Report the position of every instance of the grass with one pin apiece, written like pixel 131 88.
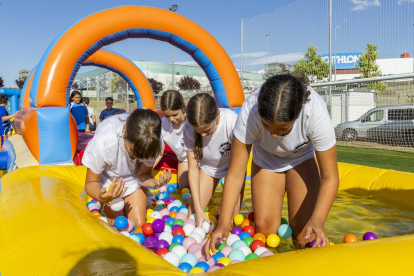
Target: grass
pixel 377 158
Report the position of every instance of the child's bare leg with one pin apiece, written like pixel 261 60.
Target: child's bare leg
pixel 239 201
pixel 136 206
pixel 182 175
pixel 112 215
pixel 208 185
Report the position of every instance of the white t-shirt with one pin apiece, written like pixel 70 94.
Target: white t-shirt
pixel 91 113
pixel 174 138
pixel 106 155
pixel 216 147
pixel 313 130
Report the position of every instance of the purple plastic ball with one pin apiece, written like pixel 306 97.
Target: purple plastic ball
pixel 150 242
pixel 176 226
pixel 313 243
pixel 158 225
pixel 164 200
pixel 369 236
pixel 236 231
pixel 164 218
pixel 219 264
pixel 157 236
pixel 161 244
pixel 170 199
pixel 217 217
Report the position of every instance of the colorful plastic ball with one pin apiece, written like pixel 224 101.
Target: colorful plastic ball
pixel 237 254
pixel 197 237
pixel 219 264
pixel 218 256
pixel 121 223
pixel 266 253
pixel 203 265
pixel 172 258
pixel 238 219
pixel 150 220
pixel 244 235
pixel 245 223
pixel 185 197
pixel 249 229
pixel 183 207
pixel 237 244
pixel 161 244
pixel 185 190
pixel 213 268
pixel 178 222
pixel 192 248
pixel 248 241
pixel 251 216
pixel 173 214
pixel 170 220
pixel 179 231
pixel 174 209
pixel 176 226
pixel 256 244
pixel 350 238
pixel 189 258
pixel 221 246
pixel 185 267
pixel 161 252
pixel 273 240
pixel 284 231
pixel 198 253
pixel 246 250
pixel 150 242
pixel 158 225
pixel 167 228
pixel 199 231
pixel 283 221
pixel 185 212
pixel 188 229
pixel 225 261
pixel 157 235
pixel 117 204
pixel 369 236
pixel 188 241
pixel 226 250
pixel 181 216
pixel 236 231
pixel 104 219
pixel 167 237
pixel 125 233
pixel 156 215
pixel 231 239
pixel 135 238
pixel 177 202
pixel 162 189
pixel 141 237
pixel 165 195
pixel 172 246
pixel 313 244
pixel 170 199
pixel 147 229
pixel 178 239
pixel 165 218
pixel 170 188
pixel 207 227
pixel 180 251
pixel 234 262
pixel 251 256
pixel 260 237
pixel 260 250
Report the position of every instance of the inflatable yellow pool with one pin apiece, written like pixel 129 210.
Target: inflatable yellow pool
pixel 46 229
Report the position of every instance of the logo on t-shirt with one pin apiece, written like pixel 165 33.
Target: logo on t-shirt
pixel 301 146
pixel 225 148
pixel 182 142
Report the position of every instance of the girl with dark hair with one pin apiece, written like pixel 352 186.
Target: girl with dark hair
pixel 208 137
pixel 123 150
pixel 288 124
pixel 173 106
pixel 79 111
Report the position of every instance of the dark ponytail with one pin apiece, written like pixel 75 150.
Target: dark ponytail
pixel 202 109
pixel 172 100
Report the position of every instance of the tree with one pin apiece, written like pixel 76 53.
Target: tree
pixel 1 82
pixel 188 83
pixel 75 86
pixel 312 66
pixel 368 66
pixel 20 83
pixel 156 86
pixel 118 82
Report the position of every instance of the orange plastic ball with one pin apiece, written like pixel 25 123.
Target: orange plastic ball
pixel 138 230
pixel 173 214
pixel 350 238
pixel 245 223
pixel 260 237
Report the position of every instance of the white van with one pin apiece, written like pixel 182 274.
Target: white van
pixel 386 123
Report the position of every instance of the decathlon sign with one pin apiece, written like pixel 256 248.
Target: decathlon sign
pixel 343 60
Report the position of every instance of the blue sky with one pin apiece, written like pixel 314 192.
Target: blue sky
pixel 28 27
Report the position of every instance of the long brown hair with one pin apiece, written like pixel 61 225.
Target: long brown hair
pixel 172 100
pixel 202 109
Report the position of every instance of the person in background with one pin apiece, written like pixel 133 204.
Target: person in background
pixel 109 111
pixel 79 111
pixel 5 117
pixel 91 112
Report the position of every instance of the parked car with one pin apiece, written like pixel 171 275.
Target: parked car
pixel 386 123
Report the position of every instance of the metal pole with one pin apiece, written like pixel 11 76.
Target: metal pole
pixel 241 54
pixel 172 73
pixel 267 53
pixel 127 92
pixel 336 58
pixel 330 57
pixel 413 51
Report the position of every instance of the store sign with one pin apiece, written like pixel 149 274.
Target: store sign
pixel 343 60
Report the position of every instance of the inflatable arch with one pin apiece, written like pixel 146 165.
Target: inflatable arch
pixel 51 80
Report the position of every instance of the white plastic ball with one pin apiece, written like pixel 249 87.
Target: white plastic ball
pixel 104 219
pixel 193 217
pixel 117 204
pixel 166 236
pixel 135 238
pixel 167 229
pixel 185 211
pixel 197 237
pixel 171 205
pixel 179 250
pixel 260 250
pixel 231 239
pixel 156 215
pixel 207 227
pixel 159 202
pixel 172 258
pixel 199 231
pixel 245 250
pixel 188 229
pixel 126 233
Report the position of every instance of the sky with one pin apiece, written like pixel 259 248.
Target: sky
pixel 28 27
pixel 274 31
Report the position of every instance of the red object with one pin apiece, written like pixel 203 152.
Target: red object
pixel 179 231
pixel 152 250
pixel 83 140
pixel 161 252
pixel 256 244
pixel 167 203
pixel 405 55
pixel 251 216
pixel 147 229
pixel 249 229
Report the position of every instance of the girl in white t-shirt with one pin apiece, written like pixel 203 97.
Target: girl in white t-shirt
pixel 123 150
pixel 288 124
pixel 208 138
pixel 173 106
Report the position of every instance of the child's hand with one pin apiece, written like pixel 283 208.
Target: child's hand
pixel 221 234
pixel 200 218
pixel 163 179
pixel 115 190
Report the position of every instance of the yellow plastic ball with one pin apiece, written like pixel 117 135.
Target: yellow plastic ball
pixel 213 212
pixel 116 184
pixel 185 190
pixel 331 243
pixel 273 240
pixel 213 219
pixel 96 213
pixel 225 261
pixel 150 220
pixel 196 270
pixel 207 214
pixel 238 219
pixel 149 212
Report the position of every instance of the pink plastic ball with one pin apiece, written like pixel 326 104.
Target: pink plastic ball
pixel 210 262
pixel 266 253
pixel 193 248
pixel 198 253
pixel 189 221
pixel 130 226
pixel 213 268
pixel 164 212
pixel 188 241
pixel 162 189
pixel 181 216
pixel 226 250
pixel 234 262
pixel 203 242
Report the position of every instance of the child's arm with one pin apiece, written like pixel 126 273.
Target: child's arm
pixel 94 190
pixel 159 156
pixel 8 117
pixel 87 120
pixel 146 179
pixel 94 121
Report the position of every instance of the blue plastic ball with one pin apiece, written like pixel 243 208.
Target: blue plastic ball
pixel 178 239
pixel 186 267
pixel 189 258
pixel 203 265
pixel 165 195
pixel 237 255
pixel 177 203
pixel 121 223
pixel 157 196
pixel 133 230
pixel 218 256
pixel 170 221
pixel 170 188
pixel 284 231
pixel 185 197
pixel 244 235
pixel 182 207
pixel 175 208
pixel 141 237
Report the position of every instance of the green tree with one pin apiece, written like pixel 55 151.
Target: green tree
pixel 1 82
pixel 117 82
pixel 188 83
pixel 156 86
pixel 20 83
pixel 312 66
pixel 368 66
